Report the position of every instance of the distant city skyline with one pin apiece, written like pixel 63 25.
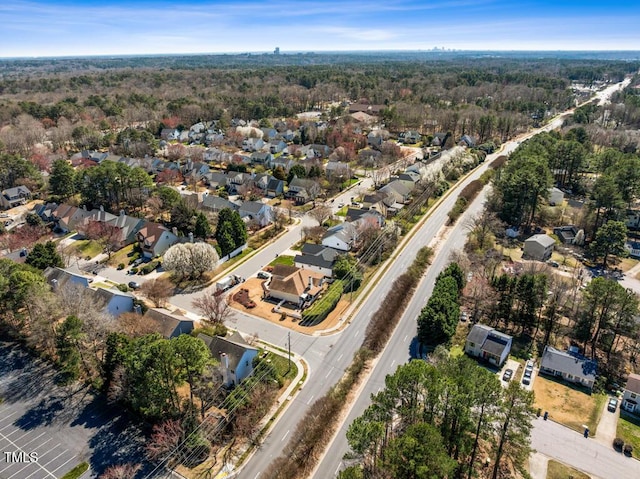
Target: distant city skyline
pixel 42 28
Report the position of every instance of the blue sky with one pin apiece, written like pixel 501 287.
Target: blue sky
pixel 82 27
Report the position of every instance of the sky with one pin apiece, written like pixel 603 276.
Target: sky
pixel 129 27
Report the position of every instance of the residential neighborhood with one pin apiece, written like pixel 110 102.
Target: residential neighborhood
pixel 220 273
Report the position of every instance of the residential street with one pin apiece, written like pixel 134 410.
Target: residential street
pixel 588 455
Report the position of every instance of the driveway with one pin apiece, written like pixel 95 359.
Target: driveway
pixel 606 431
pixel 509 364
pixel 572 448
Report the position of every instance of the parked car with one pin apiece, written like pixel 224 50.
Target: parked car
pixel 134 284
pixel 264 275
pixel 529 365
pixel 508 374
pixel 613 404
pixel 526 378
pixel 463 316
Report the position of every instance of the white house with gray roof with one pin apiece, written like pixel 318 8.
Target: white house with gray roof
pixel 341 237
pixel 489 344
pixel 569 366
pixel 235 356
pixel 538 247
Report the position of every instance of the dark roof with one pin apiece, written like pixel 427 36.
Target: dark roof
pixel 317 255
pixel 568 363
pixel 167 324
pixel 633 383
pixel 61 276
pixel 233 346
pixel 252 207
pixel 478 333
pixel 495 343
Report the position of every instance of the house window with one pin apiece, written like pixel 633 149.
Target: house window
pixel 633 395
pixel 246 363
pixel 569 376
pixel 473 345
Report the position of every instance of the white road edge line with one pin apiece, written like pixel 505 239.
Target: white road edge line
pixel 285 435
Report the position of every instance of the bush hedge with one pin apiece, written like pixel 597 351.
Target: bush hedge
pixel 149 267
pixel 323 306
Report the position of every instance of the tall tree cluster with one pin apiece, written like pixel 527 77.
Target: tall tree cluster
pixel 231 232
pixel 438 319
pixel 441 419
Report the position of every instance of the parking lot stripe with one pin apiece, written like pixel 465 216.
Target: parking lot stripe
pixel 2 436
pixel 18 472
pixel 38 447
pixel 49 462
pixel 65 463
pixel 7 417
pixel 37 437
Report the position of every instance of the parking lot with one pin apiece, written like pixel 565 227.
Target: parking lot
pixel 46 430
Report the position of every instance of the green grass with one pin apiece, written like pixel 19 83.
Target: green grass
pixel 283 259
pixel 281 363
pixel 456 351
pixel 629 430
pixel 557 470
pixel 123 255
pixel 88 248
pixel 342 211
pixel 77 471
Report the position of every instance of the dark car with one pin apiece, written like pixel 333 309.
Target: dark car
pixel 134 285
pixel 612 405
pixel 526 378
pixel 264 275
pixel 508 374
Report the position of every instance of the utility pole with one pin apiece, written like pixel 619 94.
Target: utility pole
pixel 289 348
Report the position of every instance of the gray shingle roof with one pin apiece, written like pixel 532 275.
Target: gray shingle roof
pixel 478 333
pixel 567 363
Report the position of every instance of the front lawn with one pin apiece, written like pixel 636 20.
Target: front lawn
pixel 568 405
pixel 557 470
pixel 124 255
pixel 629 430
pixel 283 259
pixel 87 248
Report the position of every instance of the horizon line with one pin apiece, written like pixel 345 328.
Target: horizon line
pixel 312 52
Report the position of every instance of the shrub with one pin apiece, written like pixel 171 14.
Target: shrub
pixel 242 297
pixel 323 306
pixel 628 449
pixel 134 270
pixel 123 287
pixel 149 267
pixel 77 471
pixel 121 266
pixel 618 444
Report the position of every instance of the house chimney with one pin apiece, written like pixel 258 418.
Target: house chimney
pixel 224 360
pixel 190 237
pixel 102 208
pixel 174 230
pixel 54 284
pixel 122 213
pixel 310 282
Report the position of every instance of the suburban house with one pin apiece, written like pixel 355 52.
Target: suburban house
pixel 303 190
pixel 154 239
pixel 409 137
pixel 67 217
pixel 15 196
pixel 569 365
pixel 45 211
pixel 116 302
pixel 252 144
pixel 366 108
pixel 277 146
pixel 235 356
pixel 467 141
pixel 57 277
pixel 633 219
pixel 341 237
pixel 216 203
pixel 167 324
pixel 538 247
pixel 257 211
pixel 556 196
pixel 318 258
pixel 216 179
pixel 337 169
pixel 261 158
pixel 399 189
pixel 357 215
pixel 275 187
pixel 566 233
pixel 294 285
pixel 487 343
pixel 631 396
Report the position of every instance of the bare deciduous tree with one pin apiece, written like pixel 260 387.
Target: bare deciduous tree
pixel 214 307
pixel 134 325
pixel 320 213
pixel 157 291
pixel 121 471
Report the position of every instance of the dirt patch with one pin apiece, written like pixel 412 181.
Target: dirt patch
pixel 566 405
pixel 264 310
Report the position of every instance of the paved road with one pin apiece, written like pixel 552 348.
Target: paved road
pixel 396 351
pixel 570 447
